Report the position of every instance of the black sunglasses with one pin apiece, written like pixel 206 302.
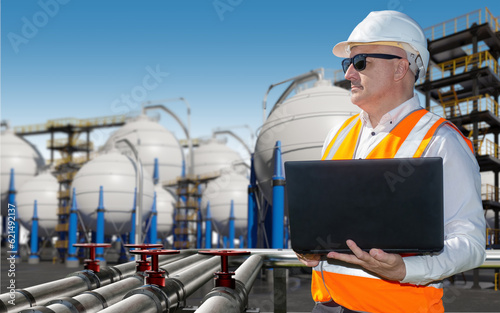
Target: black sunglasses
pixel 359 60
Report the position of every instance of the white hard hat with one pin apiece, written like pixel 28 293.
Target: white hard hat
pixel 390 28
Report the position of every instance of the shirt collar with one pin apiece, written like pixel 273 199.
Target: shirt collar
pixel 394 116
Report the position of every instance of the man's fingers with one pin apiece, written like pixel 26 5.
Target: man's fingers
pixel 382 256
pixel 360 254
pixel 343 257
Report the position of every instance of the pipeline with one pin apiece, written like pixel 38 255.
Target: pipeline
pixel 72 285
pixel 223 299
pixel 157 299
pixel 101 298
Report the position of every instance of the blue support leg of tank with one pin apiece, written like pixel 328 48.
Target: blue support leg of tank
pixel 278 183
pixel 208 228
pixel 252 209
pixel 71 259
pixel 156 172
pixel 34 258
pixel 100 226
pixel 123 252
pixel 198 230
pixel 153 228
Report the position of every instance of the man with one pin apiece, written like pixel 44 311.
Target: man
pixel 385 54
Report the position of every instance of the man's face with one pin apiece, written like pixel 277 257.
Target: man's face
pixel 372 85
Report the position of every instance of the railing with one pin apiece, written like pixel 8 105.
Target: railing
pixel 63 142
pixel 465 106
pixel 68 176
pixel 73 160
pixel 30 128
pixel 63 194
pixel 462 65
pixel 489 192
pixel 461 23
pixel 486 147
pixel 62 122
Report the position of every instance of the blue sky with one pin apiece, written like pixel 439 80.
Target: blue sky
pixel 82 59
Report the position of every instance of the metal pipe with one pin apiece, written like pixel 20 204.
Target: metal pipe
pixel 296 80
pixel 222 299
pixel 74 284
pixel 131 238
pixel 248 271
pixel 228 132
pixel 167 299
pixel 101 298
pixel 93 301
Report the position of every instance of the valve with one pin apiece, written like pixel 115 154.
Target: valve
pixel 155 276
pixel 143 264
pixel 92 264
pixel 224 277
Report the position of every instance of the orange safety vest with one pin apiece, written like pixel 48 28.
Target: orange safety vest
pixel 350 285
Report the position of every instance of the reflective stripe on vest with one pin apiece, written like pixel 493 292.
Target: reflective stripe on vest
pixel 350 285
pixel 409 138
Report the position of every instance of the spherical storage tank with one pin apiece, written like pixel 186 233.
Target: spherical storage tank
pixel 20 155
pixel 301 123
pixel 214 155
pixel 220 191
pixel 42 188
pixel 151 141
pixel 165 205
pixel 115 172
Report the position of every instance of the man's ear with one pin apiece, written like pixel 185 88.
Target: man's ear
pixel 402 67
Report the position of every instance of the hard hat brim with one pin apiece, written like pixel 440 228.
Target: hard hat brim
pixel 343 49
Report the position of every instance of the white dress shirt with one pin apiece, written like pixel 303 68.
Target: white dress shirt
pixel 464 223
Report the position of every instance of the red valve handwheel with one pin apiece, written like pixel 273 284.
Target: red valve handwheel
pixel 91 263
pixel 224 277
pixel 143 264
pixel 155 276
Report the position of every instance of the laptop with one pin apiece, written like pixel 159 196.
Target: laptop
pixel 391 204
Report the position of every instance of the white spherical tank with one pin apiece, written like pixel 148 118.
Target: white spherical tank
pixel 301 123
pixel 20 155
pixel 214 155
pixel 151 141
pixel 115 172
pixel 42 188
pixel 165 206
pixel 220 191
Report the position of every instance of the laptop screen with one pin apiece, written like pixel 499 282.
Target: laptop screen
pixel 391 204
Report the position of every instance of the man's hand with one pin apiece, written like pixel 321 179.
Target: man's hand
pixel 310 260
pixel 388 265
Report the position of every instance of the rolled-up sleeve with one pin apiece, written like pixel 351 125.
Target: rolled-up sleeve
pixel 464 223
